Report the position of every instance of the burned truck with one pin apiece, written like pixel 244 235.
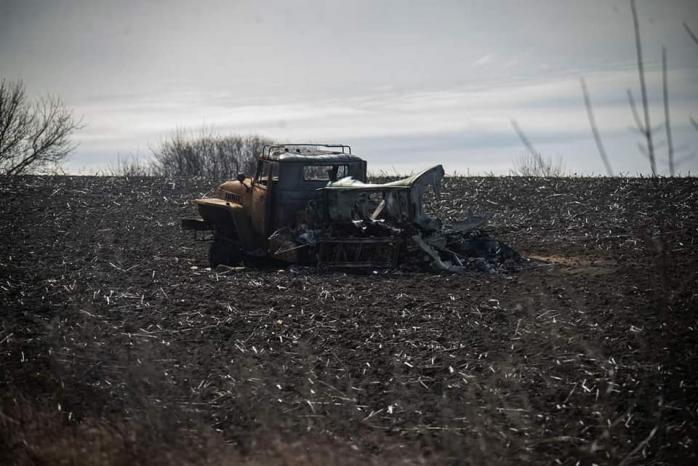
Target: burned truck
pixel 311 204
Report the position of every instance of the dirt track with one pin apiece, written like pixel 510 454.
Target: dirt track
pixel 117 345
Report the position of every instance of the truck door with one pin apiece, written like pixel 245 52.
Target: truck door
pixel 262 196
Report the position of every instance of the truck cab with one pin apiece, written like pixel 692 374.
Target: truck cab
pixel 290 176
pixel 244 212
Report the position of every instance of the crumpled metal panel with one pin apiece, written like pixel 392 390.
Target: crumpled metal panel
pixel 397 202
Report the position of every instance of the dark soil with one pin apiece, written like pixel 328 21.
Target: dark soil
pixel 119 346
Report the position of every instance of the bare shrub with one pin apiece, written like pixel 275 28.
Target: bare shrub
pixel 206 154
pixel 536 165
pixel 33 136
pixel 130 166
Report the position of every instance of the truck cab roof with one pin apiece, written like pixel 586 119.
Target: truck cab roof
pixel 321 154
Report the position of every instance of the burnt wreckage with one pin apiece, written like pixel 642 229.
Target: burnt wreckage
pixel 311 204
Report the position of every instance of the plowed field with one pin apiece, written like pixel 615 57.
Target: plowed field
pixel 119 346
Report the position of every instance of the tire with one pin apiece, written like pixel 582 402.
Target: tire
pixel 224 252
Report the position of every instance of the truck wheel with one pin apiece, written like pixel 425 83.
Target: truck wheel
pixel 223 252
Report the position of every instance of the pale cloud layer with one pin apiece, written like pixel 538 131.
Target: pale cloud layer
pixel 406 83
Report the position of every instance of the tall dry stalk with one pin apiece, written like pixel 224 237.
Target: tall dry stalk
pixel 667 119
pixel 524 139
pixel 594 128
pixel 646 128
pixel 690 33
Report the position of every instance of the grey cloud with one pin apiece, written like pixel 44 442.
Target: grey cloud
pixel 362 70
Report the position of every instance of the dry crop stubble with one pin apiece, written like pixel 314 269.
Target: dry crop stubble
pixel 118 343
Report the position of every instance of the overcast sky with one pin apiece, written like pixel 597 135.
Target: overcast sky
pixel 406 83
